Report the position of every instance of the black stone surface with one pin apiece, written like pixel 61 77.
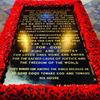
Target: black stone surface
pixel 44 21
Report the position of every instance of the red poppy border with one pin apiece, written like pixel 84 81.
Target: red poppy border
pixel 40 92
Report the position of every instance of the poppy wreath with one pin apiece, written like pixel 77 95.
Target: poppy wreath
pixel 48 92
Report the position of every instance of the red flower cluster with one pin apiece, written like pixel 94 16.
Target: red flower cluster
pixel 31 92
pixel 90 39
pixel 24 92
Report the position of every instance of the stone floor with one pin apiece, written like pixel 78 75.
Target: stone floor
pixel 92 7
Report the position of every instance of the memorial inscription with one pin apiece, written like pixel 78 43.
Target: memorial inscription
pixel 48 49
